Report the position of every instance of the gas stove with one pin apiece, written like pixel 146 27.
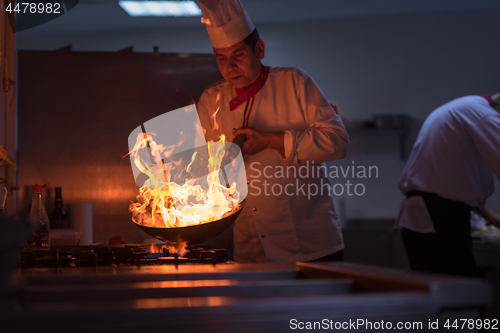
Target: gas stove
pixel 132 289
pixel 117 255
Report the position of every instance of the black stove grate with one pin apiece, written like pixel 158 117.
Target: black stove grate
pixel 88 256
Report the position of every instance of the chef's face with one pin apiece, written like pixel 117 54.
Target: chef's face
pixel 239 64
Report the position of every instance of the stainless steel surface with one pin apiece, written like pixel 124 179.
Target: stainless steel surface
pixel 234 297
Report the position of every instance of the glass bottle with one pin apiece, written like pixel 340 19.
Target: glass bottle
pixel 39 219
pixel 58 218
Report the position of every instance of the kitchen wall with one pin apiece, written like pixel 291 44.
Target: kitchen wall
pixel 407 64
pixel 7 112
pixel 74 129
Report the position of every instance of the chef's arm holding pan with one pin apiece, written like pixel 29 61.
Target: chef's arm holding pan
pixel 257 141
pixel 324 139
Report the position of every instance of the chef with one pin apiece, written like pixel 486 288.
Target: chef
pixel 290 130
pixel 449 172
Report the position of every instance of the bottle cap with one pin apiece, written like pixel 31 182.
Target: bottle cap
pixel 39 188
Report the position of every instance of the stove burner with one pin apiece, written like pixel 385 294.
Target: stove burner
pixel 91 256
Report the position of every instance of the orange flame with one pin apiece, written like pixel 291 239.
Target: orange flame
pixel 214 116
pixel 179 248
pixel 163 202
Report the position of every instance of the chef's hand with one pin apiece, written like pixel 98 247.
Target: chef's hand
pixel 258 141
pixel 496 220
pixel 490 215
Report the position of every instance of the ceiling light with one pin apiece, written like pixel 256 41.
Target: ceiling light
pixel 160 8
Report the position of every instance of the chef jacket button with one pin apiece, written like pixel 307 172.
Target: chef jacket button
pixel 248 182
pixel 263 236
pixel 254 209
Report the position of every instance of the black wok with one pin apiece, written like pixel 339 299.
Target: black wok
pixel 193 234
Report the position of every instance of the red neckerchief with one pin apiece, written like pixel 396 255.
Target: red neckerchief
pixel 244 94
pixel 490 101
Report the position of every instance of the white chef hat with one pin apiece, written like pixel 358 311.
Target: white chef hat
pixel 227 21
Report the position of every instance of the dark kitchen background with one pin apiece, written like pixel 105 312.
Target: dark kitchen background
pixel 74 128
pixel 88 78
pixel 74 89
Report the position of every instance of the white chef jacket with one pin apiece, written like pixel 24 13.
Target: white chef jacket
pixel 456 154
pixel 283 228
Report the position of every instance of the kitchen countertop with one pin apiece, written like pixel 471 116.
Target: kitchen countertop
pixel 232 297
